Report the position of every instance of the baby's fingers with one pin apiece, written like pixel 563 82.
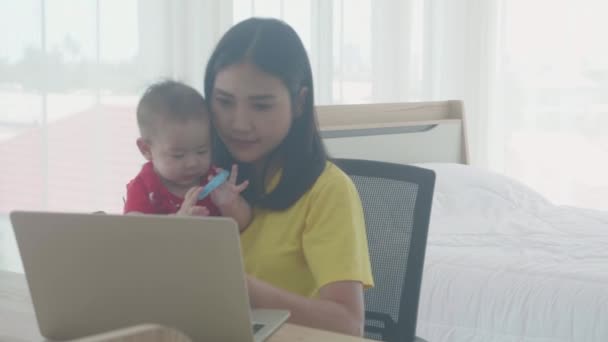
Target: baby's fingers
pixel 241 187
pixel 199 211
pixel 191 197
pixel 234 173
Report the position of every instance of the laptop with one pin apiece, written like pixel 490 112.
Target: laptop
pixel 89 274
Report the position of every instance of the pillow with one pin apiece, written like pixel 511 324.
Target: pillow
pixel 472 200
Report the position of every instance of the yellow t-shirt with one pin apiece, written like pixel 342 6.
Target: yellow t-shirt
pixel 320 239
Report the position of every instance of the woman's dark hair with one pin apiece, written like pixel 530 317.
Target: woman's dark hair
pixel 275 48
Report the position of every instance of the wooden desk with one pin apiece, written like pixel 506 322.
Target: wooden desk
pixel 18 322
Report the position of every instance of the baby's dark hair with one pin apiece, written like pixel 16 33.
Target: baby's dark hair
pixel 171 100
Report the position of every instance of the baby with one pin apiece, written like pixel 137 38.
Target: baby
pixel 174 125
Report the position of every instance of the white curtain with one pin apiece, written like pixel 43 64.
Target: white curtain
pixel 533 75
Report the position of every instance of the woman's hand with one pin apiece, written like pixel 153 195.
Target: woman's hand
pixel 189 207
pixel 227 195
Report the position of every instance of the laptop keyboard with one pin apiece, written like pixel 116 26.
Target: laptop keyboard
pixel 257 327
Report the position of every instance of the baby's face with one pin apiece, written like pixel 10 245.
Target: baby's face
pixel 181 151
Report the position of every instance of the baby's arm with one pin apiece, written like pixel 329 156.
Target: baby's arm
pixel 240 211
pixel 138 200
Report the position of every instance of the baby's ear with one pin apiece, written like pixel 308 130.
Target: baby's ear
pixel 144 148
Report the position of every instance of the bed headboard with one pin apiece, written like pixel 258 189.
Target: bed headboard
pixel 414 132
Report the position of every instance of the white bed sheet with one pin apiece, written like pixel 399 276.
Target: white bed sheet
pixel 504 264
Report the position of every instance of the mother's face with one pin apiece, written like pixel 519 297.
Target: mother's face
pixel 252 111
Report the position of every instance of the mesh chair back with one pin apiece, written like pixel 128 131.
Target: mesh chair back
pixel 397 205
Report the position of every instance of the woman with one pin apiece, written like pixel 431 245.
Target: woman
pixel 306 249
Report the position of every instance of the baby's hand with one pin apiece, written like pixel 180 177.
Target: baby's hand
pixel 189 207
pixel 227 194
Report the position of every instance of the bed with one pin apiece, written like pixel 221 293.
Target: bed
pixel 502 263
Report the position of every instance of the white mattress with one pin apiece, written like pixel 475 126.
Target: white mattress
pixel 504 264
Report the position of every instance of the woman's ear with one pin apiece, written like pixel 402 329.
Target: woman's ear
pixel 144 148
pixel 300 101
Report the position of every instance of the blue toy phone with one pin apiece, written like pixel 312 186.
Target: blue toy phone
pixel 216 181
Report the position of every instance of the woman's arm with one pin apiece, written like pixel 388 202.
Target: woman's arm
pixel 339 308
